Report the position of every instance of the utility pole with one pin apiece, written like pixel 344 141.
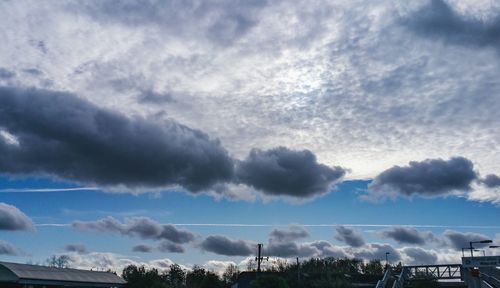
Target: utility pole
pixel 259 257
pixel 298 270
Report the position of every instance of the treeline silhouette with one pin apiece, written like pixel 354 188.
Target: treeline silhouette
pixel 312 273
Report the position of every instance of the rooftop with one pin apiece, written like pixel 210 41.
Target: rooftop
pixel 36 274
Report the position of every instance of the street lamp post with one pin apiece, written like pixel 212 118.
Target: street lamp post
pixel 463 249
pixel 472 248
pixel 494 246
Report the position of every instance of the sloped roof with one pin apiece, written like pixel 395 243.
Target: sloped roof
pixel 36 272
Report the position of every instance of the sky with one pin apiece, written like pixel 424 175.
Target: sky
pixel 160 132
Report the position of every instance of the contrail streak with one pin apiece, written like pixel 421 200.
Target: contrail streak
pixel 305 225
pixel 46 190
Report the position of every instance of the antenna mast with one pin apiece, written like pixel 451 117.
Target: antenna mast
pixel 259 257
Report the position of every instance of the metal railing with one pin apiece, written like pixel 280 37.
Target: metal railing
pixel 408 273
pixel 402 278
pixel 450 271
pixel 492 281
pixel 383 282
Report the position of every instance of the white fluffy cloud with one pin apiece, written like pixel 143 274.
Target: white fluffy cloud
pixel 114 262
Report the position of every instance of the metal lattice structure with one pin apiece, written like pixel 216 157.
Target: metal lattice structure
pixel 449 271
pixel 409 273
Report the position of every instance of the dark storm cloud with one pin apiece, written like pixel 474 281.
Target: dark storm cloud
pixel 437 19
pixel 458 240
pixel 169 246
pixel 12 218
pixel 8 249
pixel 349 235
pixel 143 248
pixel 141 227
pixel 78 248
pixel 290 233
pixel 491 181
pixel 407 235
pixel 281 171
pixel 223 245
pixel 221 22
pixel 419 256
pixel 375 251
pixel 99 146
pixel 6 74
pixel 430 177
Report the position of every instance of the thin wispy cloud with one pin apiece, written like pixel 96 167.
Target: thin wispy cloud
pixel 47 190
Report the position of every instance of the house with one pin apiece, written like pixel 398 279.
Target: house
pixel 15 275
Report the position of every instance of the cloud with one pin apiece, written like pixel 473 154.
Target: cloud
pixel 439 20
pixel 326 249
pixel 33 71
pixel 290 249
pixel 290 233
pixel 220 23
pixel 78 248
pixel 282 243
pixel 115 262
pixel 419 256
pixel 149 96
pixel 281 171
pixel 143 248
pixel 431 177
pixel 141 227
pixel 102 147
pixel 349 235
pixel 223 245
pixel 139 154
pixel 218 266
pixel 6 74
pixel 458 240
pixel 491 181
pixel 407 235
pixel 8 249
pixel 11 218
pixel 376 251
pixel 301 77
pixel 169 246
